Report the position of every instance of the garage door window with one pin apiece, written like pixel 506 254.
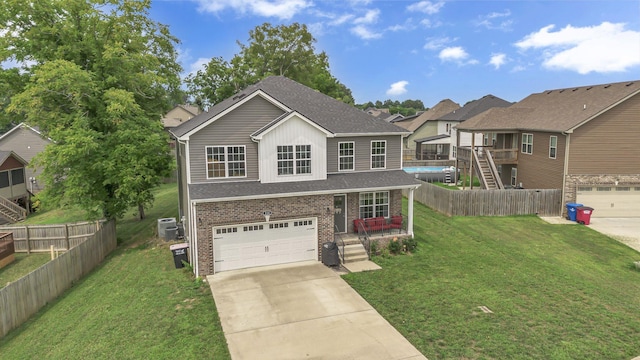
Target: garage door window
pixel 253 228
pixel 279 225
pixel 226 231
pixel 303 223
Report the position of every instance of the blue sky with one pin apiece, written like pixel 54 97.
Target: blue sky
pixel 431 50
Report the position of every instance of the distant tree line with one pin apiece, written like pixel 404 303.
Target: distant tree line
pixel 405 108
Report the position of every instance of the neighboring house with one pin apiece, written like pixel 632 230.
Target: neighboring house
pixel 179 114
pixel 424 125
pixel 437 147
pixel 26 142
pixel 270 174
pixel 13 188
pixel 582 140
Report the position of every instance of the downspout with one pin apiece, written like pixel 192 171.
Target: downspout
pixel 194 237
pixel 566 169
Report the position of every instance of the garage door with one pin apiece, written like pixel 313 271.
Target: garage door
pixel 610 201
pixel 260 244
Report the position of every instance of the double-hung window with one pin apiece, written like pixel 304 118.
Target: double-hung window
pixel 378 154
pixel 346 156
pixel 374 204
pixel 226 161
pixel 294 160
pixel 527 144
pixel 553 146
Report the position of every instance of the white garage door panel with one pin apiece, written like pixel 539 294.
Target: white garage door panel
pixel 261 244
pixel 610 201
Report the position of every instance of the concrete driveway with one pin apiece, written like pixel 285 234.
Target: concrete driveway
pixel 301 311
pixel 625 230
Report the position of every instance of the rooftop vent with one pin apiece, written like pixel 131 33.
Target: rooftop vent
pixel 239 96
pixel 606 86
pixel 590 87
pixel 575 89
pixel 629 84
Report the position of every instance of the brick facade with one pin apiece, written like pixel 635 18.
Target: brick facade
pixel 573 181
pixel 213 214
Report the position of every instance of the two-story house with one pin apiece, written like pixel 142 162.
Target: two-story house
pixel 26 142
pixel 270 174
pixel 582 140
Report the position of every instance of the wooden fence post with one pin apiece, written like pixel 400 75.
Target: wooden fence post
pixel 26 230
pixel 66 236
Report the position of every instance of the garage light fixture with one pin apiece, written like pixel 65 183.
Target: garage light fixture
pixel 267 215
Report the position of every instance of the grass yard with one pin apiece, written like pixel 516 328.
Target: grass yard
pixel 21 266
pixel 556 291
pixel 135 305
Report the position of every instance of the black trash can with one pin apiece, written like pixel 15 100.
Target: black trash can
pixel 330 255
pixel 179 254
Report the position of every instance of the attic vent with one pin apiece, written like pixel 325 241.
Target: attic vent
pixel 590 87
pixel 549 92
pixel 240 96
pixel 629 84
pixel 561 90
pixel 606 86
pixel 575 89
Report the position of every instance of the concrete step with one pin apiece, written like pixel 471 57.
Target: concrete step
pixel 352 241
pixel 352 259
pixel 354 249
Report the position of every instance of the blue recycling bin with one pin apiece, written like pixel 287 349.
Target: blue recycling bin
pixel 572 211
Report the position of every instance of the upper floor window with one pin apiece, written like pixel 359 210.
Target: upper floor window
pixel 346 156
pixel 527 144
pixel 226 161
pixel 489 139
pixel 378 154
pixel 292 162
pixel 553 146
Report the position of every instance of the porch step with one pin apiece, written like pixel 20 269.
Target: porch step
pixel 355 252
pixel 352 241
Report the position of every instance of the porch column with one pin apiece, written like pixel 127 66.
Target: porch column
pixel 410 215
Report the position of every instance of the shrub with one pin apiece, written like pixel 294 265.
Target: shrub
pixel 395 246
pixel 410 244
pixel 374 248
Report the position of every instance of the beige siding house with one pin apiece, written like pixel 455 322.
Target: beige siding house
pixel 273 173
pixel 26 142
pixel 582 140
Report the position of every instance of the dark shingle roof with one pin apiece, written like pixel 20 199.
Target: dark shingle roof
pixel 371 180
pixel 475 107
pixel 554 110
pixel 442 108
pixel 329 113
pixel 431 138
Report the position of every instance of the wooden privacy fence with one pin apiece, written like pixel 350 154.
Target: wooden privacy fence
pixel 543 202
pixel 24 297
pixel 40 238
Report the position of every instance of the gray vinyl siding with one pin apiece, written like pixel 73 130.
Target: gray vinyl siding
pixel 538 171
pixel 363 152
pixel 608 144
pixel 27 144
pixel 232 129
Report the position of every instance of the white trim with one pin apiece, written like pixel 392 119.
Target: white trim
pixel 353 156
pixel 410 213
pixel 194 235
pixel 188 160
pixel 555 155
pixel 522 143
pixel 271 126
pixel 371 134
pixel 305 193
pixel 226 162
pixel 233 107
pixel 371 155
pixel 24 125
pixel 373 205
pixel 294 160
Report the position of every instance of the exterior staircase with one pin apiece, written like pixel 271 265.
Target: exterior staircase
pixel 490 182
pixel 354 251
pixel 11 211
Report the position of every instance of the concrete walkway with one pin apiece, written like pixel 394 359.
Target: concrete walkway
pixel 301 311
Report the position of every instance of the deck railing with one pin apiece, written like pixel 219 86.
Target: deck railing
pixel 505 156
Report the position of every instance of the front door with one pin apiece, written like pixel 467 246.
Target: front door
pixel 340 213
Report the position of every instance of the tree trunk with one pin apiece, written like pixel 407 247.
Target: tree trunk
pixel 141 215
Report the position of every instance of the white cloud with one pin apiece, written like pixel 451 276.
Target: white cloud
pixel 371 17
pixel 197 65
pixel 339 20
pixel 498 60
pixel 282 9
pixel 398 88
pixel 518 68
pixel 603 48
pixel 426 7
pixel 437 43
pixel 456 54
pixel 489 21
pixel 364 33
pixel 427 23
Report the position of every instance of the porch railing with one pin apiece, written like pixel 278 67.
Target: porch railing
pixel 505 156
pixel 337 238
pixel 363 236
pixel 494 169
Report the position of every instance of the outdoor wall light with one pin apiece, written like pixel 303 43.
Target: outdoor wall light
pixel 267 215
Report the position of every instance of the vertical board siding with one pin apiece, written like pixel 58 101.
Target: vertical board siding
pixel 234 128
pixel 24 297
pixel 363 152
pixel 545 202
pixel 41 237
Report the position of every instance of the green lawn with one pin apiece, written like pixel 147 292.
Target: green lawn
pixel 21 266
pixel 135 305
pixel 556 291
